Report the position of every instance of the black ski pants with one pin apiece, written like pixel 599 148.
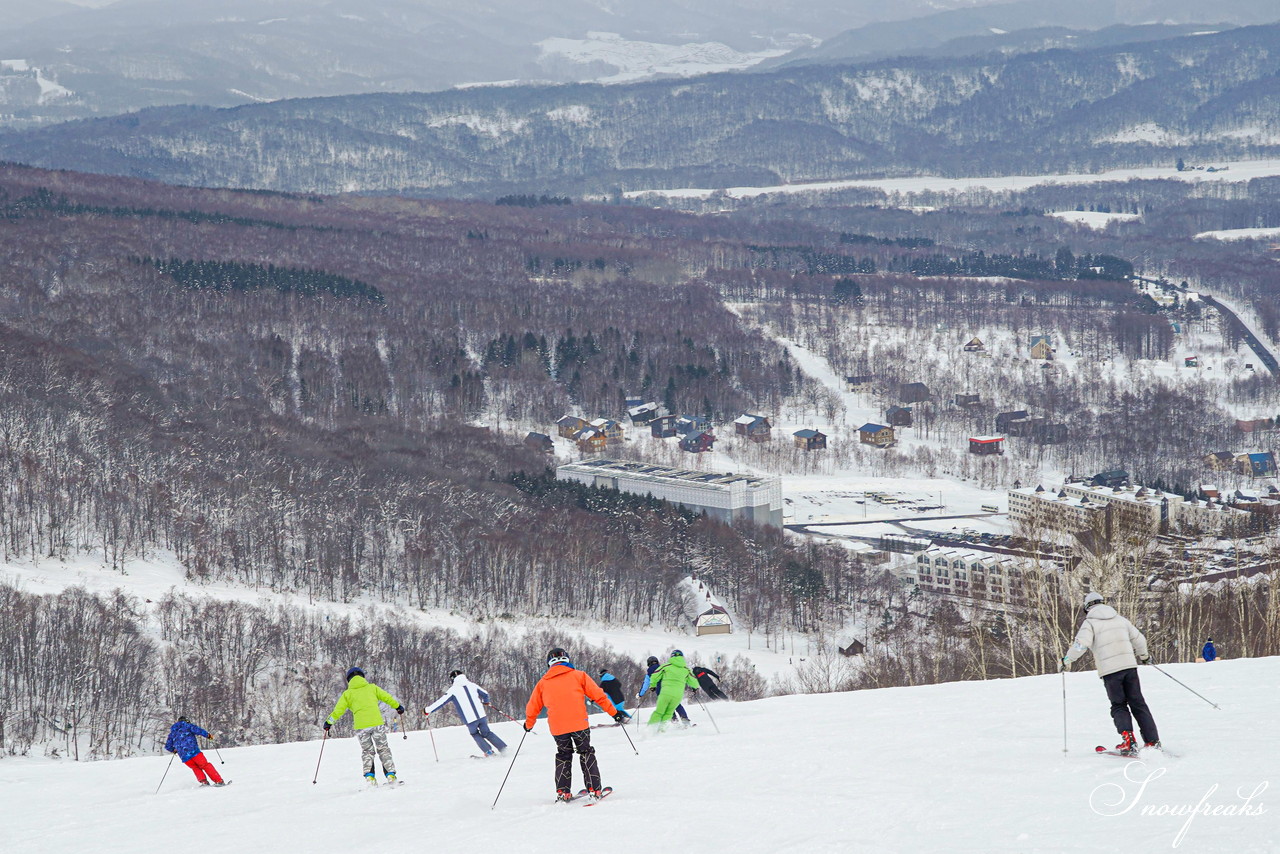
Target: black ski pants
pixel 711 689
pixel 566 746
pixel 1125 693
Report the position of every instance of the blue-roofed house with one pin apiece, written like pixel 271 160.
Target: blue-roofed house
pixel 687 424
pixel 810 440
pixel 1041 347
pixel 879 435
pixel 1262 464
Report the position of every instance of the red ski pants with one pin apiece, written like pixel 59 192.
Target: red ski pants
pixel 201 765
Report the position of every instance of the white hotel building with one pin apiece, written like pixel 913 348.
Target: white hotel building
pixel 725 496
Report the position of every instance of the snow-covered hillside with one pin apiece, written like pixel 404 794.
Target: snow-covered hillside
pixel 974 766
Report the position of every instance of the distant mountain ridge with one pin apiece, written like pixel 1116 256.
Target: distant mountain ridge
pixel 1206 96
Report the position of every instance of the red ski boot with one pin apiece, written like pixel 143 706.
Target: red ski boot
pixel 1128 746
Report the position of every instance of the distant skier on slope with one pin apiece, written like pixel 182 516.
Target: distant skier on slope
pixel 563 691
pixel 182 741
pixel 1117 648
pixel 613 690
pixel 1210 652
pixel 471 703
pixel 669 681
pixel 652 668
pixel 362 698
pixel 705 675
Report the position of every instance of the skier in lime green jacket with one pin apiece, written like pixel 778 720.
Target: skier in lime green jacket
pixel 670 679
pixel 362 698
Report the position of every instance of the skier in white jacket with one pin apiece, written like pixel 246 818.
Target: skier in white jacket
pixel 1117 648
pixel 470 701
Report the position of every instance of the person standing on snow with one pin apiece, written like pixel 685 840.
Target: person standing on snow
pixel 1117 648
pixel 182 741
pixel 471 702
pixel 648 682
pixel 613 690
pixel 563 691
pixel 362 698
pixel 669 681
pixel 1210 652
pixel 704 676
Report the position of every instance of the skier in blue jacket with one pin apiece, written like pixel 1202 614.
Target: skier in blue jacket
pixel 182 741
pixel 1210 652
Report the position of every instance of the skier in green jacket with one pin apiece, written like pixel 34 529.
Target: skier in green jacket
pixel 362 698
pixel 670 680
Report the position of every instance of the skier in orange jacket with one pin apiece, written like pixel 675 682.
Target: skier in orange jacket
pixel 563 692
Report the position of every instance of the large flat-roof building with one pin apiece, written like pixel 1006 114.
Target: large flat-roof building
pixel 1078 507
pixel 725 496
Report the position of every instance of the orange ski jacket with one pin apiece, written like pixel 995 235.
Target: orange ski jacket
pixel 564 692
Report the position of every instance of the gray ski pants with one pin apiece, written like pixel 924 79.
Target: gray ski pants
pixel 375 739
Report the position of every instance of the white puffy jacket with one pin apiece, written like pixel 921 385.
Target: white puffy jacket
pixel 1115 642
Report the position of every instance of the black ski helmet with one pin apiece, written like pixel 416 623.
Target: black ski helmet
pixel 355 671
pixel 653 661
pixel 182 719
pixel 557 656
pixel 454 674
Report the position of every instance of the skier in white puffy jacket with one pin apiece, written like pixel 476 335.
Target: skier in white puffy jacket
pixel 1117 648
pixel 471 702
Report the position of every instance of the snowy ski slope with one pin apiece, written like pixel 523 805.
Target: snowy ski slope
pixel 965 767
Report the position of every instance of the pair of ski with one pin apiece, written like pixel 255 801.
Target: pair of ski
pixel 1129 754
pixel 582 793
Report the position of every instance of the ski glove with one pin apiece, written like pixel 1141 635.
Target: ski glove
pixel 527 728
pixel 327 725
pixel 1146 659
pixel 621 717
pixel 400 710
pixel 1066 662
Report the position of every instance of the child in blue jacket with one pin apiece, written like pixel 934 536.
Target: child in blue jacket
pixel 182 741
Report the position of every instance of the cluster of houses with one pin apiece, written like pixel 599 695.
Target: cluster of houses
pixel 695 432
pixel 1251 464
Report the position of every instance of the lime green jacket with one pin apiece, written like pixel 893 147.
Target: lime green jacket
pixel 672 677
pixel 362 697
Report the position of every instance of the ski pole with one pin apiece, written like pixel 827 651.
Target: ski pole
pixel 322 741
pixel 1063 671
pixel 166 771
pixel 394 730
pixel 1201 696
pixel 623 727
pixel 504 714
pixel 221 761
pixel 509 767
pixel 704 708
pixel 431 731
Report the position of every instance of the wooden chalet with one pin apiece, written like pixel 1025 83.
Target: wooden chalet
pixel 861 382
pixel 540 442
pixel 964 400
pixel 757 428
pixel 985 446
pixel 879 435
pixel 975 345
pixel 696 443
pixel 663 427
pixel 810 440
pixel 854 647
pixel 1041 347
pixel 590 440
pixel 643 413
pixel 686 424
pixel 570 426
pixel 898 416
pixel 611 429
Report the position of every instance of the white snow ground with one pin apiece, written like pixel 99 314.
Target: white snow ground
pixel 963 767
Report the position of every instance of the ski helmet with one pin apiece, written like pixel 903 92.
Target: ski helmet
pixel 676 652
pixel 355 671
pixel 182 719
pixel 454 674
pixel 1092 598
pixel 604 670
pixel 557 656
pixel 653 661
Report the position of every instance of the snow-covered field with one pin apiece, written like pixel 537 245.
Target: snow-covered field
pixel 1093 219
pixel 1240 234
pixel 635 60
pixel 1233 172
pixel 972 767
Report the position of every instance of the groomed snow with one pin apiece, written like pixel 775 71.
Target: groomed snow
pixel 1093 219
pixel 1233 172
pixel 973 767
pixel 1239 234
